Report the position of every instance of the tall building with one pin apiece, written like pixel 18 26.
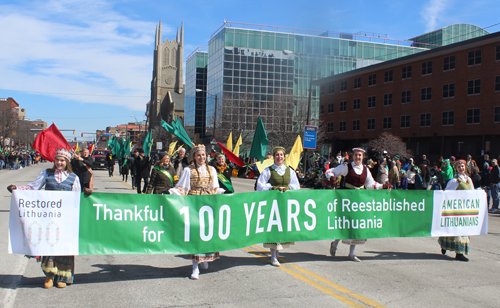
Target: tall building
pixel 196 93
pixel 167 85
pixel 448 35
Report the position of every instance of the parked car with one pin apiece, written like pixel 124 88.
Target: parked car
pixel 99 157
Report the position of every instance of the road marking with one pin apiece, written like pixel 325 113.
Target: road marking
pixel 117 179
pixel 346 296
pixel 12 288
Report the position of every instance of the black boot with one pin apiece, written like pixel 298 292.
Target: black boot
pixel 443 252
pixel 461 257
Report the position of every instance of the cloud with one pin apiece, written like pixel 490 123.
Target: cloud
pixel 77 47
pixel 432 11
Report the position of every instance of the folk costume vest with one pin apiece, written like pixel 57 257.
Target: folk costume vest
pixel 278 180
pixel 200 185
pixel 51 184
pixel 354 180
pixel 463 185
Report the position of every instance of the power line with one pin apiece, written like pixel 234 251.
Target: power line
pixel 75 94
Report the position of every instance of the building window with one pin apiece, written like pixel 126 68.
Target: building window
pixel 405 121
pixel 387 123
pixel 497 83
pixel 343 86
pixel 406 72
pixel 371 124
pixel 426 94
pixel 321 109
pixel 331 107
pixel 425 120
pixel 449 90
pixel 497 114
pixel 322 92
pixel 372 101
pixel 357 83
pixel 449 63
pixel 406 97
pixel 372 79
pixel 388 76
pixel 330 127
pixel 388 99
pixel 473 116
pixel 342 127
pixel 474 57
pixel 356 105
pixel 427 68
pixel 355 125
pixel 474 87
pixel 331 88
pixel 448 118
pixel 343 106
pixel 497 57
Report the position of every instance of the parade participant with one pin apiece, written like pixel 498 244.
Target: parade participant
pixel 357 177
pixel 282 178
pixel 82 166
pixel 458 244
pixel 224 173
pixel 125 168
pixel 198 179
pixel 59 270
pixel 162 176
pixel 181 162
pixel 133 168
pixel 110 160
pixel 142 171
pixel 446 171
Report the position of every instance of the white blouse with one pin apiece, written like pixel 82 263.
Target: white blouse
pixel 263 180
pixel 184 183
pixel 342 170
pixel 60 176
pixel 453 183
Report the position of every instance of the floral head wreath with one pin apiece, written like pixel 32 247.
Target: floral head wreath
pixel 277 149
pixel 198 147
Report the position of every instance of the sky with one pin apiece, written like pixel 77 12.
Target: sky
pixel 87 64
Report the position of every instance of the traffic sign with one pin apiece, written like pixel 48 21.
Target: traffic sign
pixel 310 135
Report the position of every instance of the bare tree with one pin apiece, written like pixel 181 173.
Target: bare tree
pixel 394 145
pixel 9 118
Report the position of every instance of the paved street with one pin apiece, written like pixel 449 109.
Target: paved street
pixel 393 272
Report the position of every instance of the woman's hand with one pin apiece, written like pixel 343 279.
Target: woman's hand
pixel 11 187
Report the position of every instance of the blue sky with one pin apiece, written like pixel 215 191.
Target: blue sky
pixel 87 64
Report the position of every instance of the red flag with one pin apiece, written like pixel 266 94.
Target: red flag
pixel 230 155
pixel 49 141
pixel 91 148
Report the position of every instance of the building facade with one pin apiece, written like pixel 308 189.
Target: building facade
pixel 444 101
pixel 448 35
pixel 196 93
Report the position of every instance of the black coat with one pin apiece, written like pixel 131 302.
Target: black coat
pixel 81 170
pixel 227 174
pixel 142 166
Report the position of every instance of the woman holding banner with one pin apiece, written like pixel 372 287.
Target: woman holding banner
pixel 282 178
pixel 198 179
pixel 458 244
pixel 224 173
pixel 356 176
pixel 59 270
pixel 162 176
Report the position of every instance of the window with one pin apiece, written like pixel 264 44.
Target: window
pixel 372 101
pixel 356 105
pixel 449 90
pixel 426 94
pixel 406 72
pixel 355 125
pixel 497 83
pixel 449 63
pixel 448 118
pixel 321 109
pixel 331 88
pixel 474 87
pixel 425 120
pixel 427 68
pixel 388 76
pixel 387 123
pixel 474 57
pixel 343 86
pixel 342 127
pixel 357 83
pixel 473 116
pixel 497 57
pixel 388 99
pixel 331 107
pixel 330 127
pixel 371 124
pixel 372 79
pixel 322 91
pixel 405 121
pixel 497 114
pixel 343 106
pixel 406 97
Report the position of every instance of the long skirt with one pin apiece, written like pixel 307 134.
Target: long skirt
pixel 204 257
pixel 458 244
pixel 61 268
pixel 278 246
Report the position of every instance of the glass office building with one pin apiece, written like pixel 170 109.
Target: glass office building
pixel 448 35
pixel 195 101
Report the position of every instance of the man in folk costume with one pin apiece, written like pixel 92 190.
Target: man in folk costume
pixel 357 176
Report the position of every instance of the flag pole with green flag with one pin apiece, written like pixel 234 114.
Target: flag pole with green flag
pixel 260 141
pixel 148 143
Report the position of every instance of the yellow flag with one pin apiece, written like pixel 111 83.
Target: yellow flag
pixel 261 165
pixel 237 147
pixel 171 148
pixel 78 149
pixel 178 149
pixel 229 145
pixel 293 159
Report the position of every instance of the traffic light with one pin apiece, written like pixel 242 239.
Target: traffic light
pixel 98 134
pixel 74 131
pixel 82 134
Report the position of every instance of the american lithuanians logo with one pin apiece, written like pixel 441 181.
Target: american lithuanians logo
pixel 460 212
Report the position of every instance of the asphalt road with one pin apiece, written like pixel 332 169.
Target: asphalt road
pixel 394 272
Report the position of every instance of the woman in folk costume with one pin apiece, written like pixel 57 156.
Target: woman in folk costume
pixel 224 173
pixel 59 270
pixel 282 178
pixel 458 244
pixel 162 176
pixel 357 176
pixel 198 179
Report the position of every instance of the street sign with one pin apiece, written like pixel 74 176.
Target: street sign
pixel 310 135
pixel 107 134
pixel 159 145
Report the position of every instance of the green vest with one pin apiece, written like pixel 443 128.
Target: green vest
pixel 463 186
pixel 278 180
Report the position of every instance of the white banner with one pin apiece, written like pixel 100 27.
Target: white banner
pixel 47 224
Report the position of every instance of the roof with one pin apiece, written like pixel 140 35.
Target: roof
pixel 178 98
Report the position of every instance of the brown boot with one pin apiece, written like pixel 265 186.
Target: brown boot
pixel 61 285
pixel 48 282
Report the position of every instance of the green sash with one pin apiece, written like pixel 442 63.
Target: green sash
pixel 165 172
pixel 225 181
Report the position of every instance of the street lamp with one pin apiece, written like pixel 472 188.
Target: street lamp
pixel 215 109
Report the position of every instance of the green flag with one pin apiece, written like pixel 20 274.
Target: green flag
pixel 125 150
pixel 260 141
pixel 148 143
pixel 177 130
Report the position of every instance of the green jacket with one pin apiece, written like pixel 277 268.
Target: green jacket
pixel 447 172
